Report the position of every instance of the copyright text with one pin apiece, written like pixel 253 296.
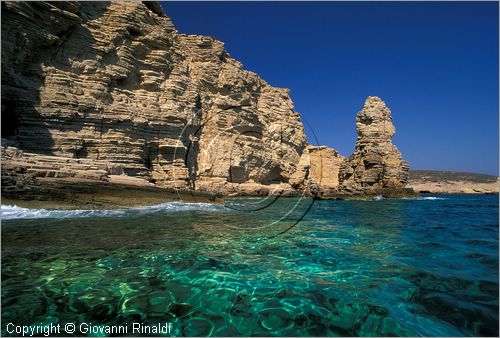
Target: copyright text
pixel 87 328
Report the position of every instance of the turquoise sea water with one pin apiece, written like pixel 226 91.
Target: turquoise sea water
pixel 426 267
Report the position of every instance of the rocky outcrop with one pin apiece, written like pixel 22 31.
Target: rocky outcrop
pixel 113 83
pixel 376 164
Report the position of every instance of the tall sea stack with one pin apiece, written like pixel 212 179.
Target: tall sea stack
pixel 376 164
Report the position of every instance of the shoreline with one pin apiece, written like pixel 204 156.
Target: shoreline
pixel 126 193
pixel 67 194
pixel 455 188
pixel 64 194
pixel 23 189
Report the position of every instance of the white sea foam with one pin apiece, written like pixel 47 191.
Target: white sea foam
pixel 434 198
pixel 14 212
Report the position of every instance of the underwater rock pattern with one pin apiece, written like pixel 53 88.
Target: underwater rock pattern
pixel 350 268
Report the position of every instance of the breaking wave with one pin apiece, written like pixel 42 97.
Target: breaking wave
pixel 9 212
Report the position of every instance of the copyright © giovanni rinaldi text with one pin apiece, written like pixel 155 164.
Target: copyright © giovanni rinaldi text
pixel 87 329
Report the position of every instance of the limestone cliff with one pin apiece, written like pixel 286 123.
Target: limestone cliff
pixel 114 83
pixel 376 163
pixel 111 92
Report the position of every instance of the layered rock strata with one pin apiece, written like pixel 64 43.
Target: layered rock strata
pixel 114 83
pixel 376 164
pixel 34 180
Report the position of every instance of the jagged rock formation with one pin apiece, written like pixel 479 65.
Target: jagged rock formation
pixel 376 163
pixel 114 83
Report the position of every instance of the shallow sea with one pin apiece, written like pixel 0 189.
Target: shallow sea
pixel 286 267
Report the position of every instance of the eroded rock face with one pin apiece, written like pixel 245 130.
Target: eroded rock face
pixel 376 163
pixel 113 82
pixel 318 171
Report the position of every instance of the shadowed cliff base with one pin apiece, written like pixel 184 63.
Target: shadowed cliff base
pixel 82 194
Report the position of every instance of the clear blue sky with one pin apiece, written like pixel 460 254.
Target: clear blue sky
pixel 435 64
